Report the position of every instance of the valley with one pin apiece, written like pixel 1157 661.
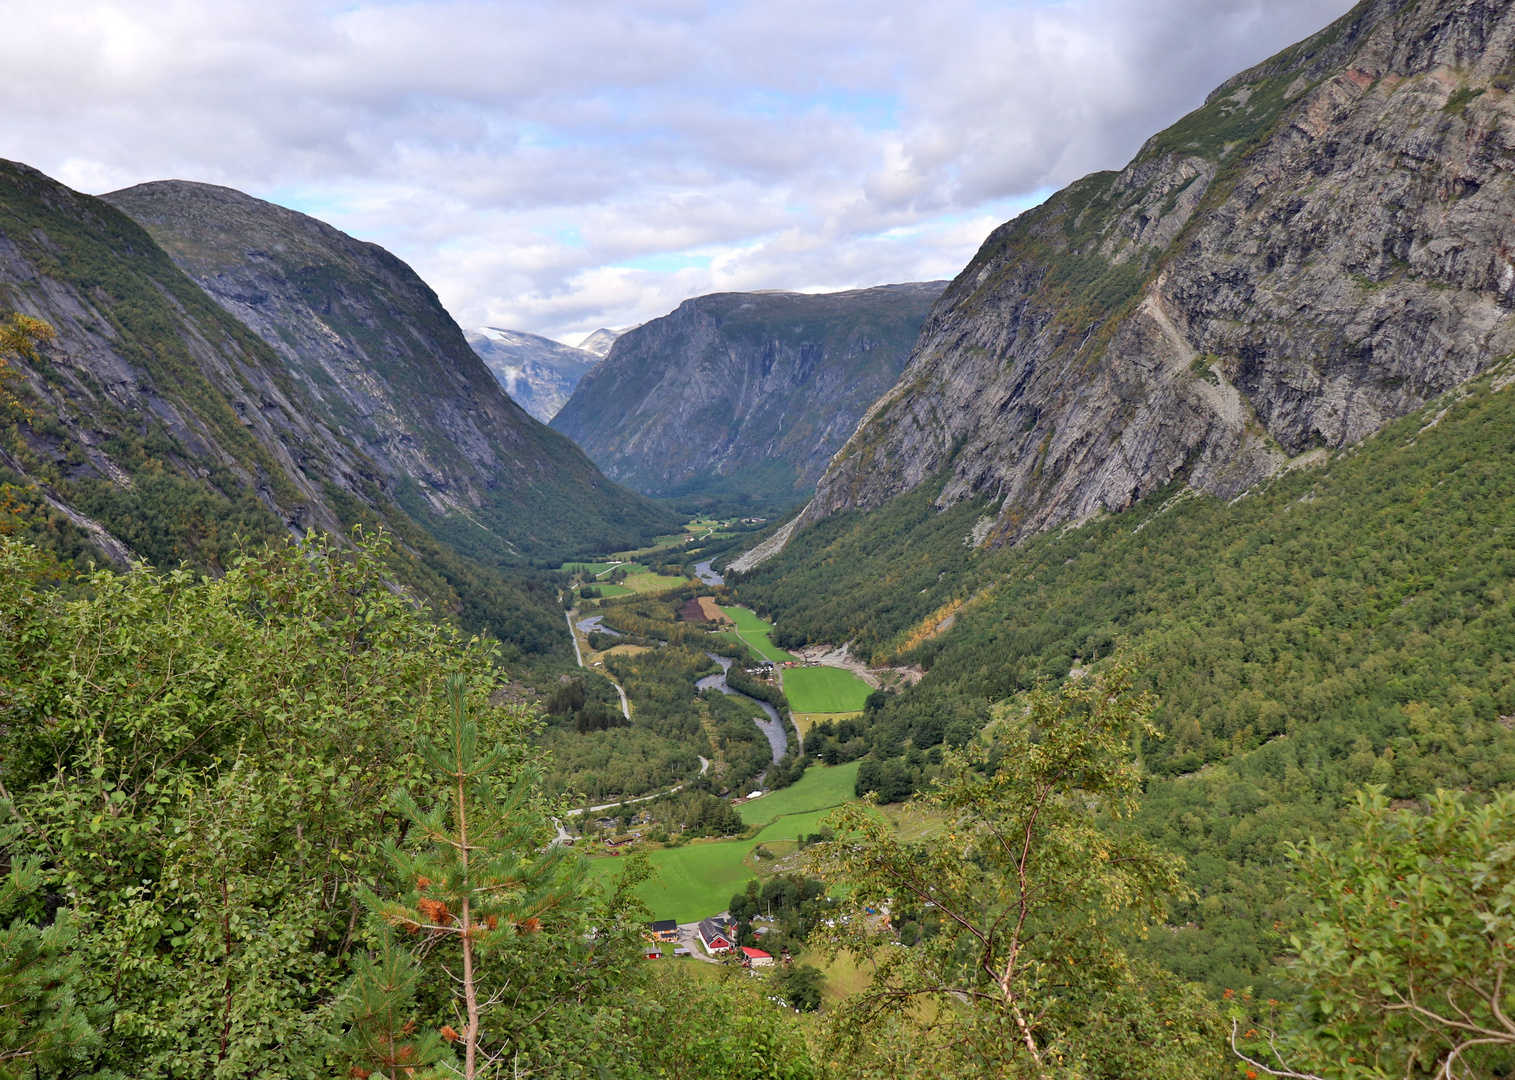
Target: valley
pixel 1100 665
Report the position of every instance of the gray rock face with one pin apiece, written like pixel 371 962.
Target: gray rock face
pixel 386 368
pixel 757 390
pixel 538 373
pixel 1322 247
pixel 147 377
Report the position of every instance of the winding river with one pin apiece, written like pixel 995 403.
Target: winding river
pixel 773 727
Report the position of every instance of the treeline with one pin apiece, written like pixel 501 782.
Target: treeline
pixel 738 679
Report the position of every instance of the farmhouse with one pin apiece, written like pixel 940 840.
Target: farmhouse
pixel 715 936
pixel 666 930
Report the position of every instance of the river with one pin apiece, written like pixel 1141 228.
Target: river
pixel 773 727
pixel 708 576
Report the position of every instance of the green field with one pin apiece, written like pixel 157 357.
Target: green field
pixel 588 569
pixel 647 583
pixel 614 590
pixel 824 690
pixel 820 789
pixel 753 632
pixel 699 880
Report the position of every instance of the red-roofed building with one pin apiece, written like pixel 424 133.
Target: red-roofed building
pixel 755 957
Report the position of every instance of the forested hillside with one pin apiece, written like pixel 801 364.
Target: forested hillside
pixel 1349 621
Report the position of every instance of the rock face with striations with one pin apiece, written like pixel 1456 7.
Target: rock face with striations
pixel 538 373
pixel 743 391
pixel 386 368
pixel 1323 246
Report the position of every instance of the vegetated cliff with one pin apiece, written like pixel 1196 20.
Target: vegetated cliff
pixel 743 391
pixel 384 366
pixel 538 373
pixel 1323 246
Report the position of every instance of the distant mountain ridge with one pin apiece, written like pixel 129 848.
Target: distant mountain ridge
pixel 384 366
pixel 602 339
pixel 538 373
pixel 743 391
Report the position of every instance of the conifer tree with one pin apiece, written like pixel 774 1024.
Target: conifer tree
pixel 41 1025
pixel 477 882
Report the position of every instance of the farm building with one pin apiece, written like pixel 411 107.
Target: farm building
pixel 755 958
pixel 716 936
pixel 665 930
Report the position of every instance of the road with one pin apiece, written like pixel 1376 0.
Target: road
pixel 579 654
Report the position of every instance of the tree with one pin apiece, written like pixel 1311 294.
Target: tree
pixel 1407 949
pixel 1037 880
pixel 800 985
pixel 477 882
pixel 19 336
pixel 41 1024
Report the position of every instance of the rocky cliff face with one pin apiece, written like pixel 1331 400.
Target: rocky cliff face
pixel 538 373
pixel 748 391
pixel 154 422
pixel 384 367
pixel 1322 247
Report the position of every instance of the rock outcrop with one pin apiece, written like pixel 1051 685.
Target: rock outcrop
pixel 538 373
pixel 743 391
pixel 1325 245
pixel 380 363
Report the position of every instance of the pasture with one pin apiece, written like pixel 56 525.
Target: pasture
pixel 819 789
pixel 824 690
pixel 807 720
pixel 753 632
pixel 650 582
pixel 700 879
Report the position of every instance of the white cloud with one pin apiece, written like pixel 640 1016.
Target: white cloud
pixel 557 166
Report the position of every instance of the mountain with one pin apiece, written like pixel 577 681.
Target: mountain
pixel 1323 246
pixel 381 364
pixel 601 340
pixel 743 391
pixel 538 373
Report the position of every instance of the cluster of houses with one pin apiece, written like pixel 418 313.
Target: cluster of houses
pixel 717 934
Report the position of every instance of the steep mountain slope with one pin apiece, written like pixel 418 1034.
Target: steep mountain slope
pixel 752 391
pixel 538 373
pixel 1324 246
pixel 385 367
pixel 1350 621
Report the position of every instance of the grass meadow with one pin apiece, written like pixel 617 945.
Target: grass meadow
pixel 824 690
pixel 698 880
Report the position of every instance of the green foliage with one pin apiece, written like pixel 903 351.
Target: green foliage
pixel 476 882
pixel 738 679
pixel 1340 625
pixel 1405 943
pixel 201 766
pixel 1038 880
pixel 800 986
pixel 727 1030
pixel 41 1024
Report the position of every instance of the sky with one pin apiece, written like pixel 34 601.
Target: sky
pixel 559 166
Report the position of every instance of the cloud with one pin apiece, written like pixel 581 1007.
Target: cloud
pixel 557 166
